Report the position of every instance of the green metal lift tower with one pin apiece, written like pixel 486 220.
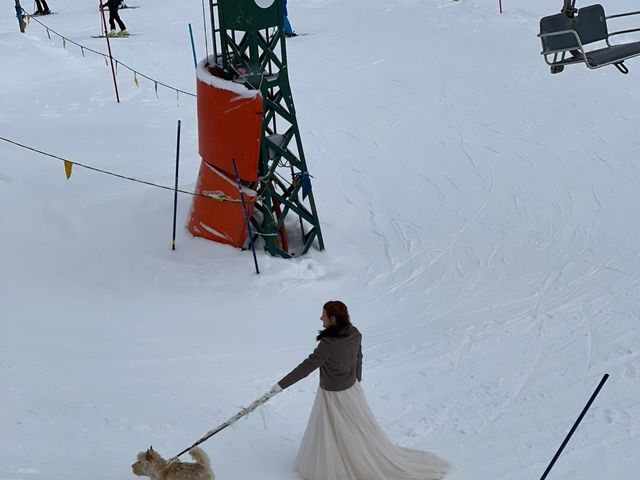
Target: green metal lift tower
pixel 249 47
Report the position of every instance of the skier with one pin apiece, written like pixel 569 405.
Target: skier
pixel 288 29
pixel 114 17
pixel 41 8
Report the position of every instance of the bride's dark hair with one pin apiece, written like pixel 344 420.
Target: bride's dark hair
pixel 337 310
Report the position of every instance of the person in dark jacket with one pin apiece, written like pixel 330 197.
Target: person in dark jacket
pixel 338 354
pixel 42 8
pixel 114 17
pixel 343 440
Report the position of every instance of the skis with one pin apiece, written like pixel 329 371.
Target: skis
pixel 115 36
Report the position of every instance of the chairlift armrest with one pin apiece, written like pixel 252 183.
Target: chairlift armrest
pixel 618 15
pixel 620 32
pixel 562 32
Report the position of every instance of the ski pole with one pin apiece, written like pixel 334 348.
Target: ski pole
pixel 575 425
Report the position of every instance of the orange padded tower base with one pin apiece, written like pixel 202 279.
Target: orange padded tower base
pixel 229 127
pixel 218 215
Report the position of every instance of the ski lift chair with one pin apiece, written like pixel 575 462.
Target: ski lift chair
pixel 565 35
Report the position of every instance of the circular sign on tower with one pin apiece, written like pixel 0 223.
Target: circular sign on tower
pixel 264 3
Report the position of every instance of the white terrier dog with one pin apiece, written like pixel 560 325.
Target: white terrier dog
pixel 151 464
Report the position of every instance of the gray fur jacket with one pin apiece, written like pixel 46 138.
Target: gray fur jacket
pixel 338 356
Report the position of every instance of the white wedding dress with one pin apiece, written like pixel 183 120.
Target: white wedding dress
pixel 343 441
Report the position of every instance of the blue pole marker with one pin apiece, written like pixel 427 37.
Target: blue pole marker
pixel 175 190
pixel 575 425
pixel 246 215
pixel 193 47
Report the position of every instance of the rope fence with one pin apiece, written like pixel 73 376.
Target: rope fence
pixel 217 196
pixel 84 48
pixel 68 164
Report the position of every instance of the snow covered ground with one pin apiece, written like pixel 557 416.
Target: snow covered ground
pixel 479 213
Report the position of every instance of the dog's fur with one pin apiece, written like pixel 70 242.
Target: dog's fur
pixel 151 464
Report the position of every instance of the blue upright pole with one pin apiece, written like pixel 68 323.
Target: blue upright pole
pixel 575 425
pixel 175 190
pixel 246 215
pixel 193 47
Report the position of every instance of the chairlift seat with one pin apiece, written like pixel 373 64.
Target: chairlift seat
pixel 613 54
pixel 564 38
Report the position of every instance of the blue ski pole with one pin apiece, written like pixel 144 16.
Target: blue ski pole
pixel 246 215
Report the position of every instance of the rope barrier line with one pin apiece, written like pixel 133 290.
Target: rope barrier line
pixel 136 73
pixel 211 196
pixel 83 48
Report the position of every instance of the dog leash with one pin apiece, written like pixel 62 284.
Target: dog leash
pixel 231 421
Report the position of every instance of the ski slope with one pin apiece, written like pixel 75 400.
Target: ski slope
pixel 479 216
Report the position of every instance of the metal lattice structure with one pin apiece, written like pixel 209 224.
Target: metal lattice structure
pixel 249 47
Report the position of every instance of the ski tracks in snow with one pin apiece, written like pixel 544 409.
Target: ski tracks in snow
pixel 420 270
pixel 472 161
pixel 506 403
pixel 5 179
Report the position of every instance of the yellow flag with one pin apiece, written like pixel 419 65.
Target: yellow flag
pixel 67 168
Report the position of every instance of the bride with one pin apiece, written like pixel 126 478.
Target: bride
pixel 343 440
